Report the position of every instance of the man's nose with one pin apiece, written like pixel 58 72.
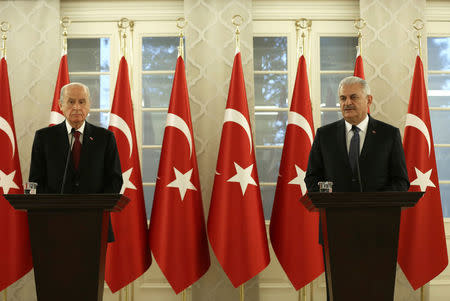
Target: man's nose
pixel 76 105
pixel 347 101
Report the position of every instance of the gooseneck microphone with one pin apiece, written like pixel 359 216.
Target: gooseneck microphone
pixel 359 175
pixel 69 153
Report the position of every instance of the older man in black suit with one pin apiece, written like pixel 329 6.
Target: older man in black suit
pixel 358 152
pixel 94 165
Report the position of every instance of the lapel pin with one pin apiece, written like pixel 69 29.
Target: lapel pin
pixel 374 132
pixel 92 139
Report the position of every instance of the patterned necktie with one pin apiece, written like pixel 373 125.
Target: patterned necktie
pixel 76 149
pixel 353 154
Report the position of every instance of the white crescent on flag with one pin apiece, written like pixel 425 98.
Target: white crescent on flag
pixel 119 123
pixel 4 126
pixel 414 121
pixel 232 115
pixel 300 121
pixel 177 122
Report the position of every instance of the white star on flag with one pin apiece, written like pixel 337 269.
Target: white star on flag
pixel 182 182
pixel 423 179
pixel 243 177
pixel 299 179
pixel 126 181
pixel 7 181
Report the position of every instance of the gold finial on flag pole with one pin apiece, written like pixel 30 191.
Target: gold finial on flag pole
pixel 181 23
pixel 241 294
pixel 65 23
pixel 4 27
pixel 418 26
pixel 303 25
pixel 237 21
pixel 123 24
pixel 359 24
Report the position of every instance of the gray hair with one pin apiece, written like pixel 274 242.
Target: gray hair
pixel 350 80
pixel 86 88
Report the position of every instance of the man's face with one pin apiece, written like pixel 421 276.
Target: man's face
pixel 75 105
pixel 354 103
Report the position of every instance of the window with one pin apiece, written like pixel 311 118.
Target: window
pixel 439 104
pixel 271 107
pixel 89 63
pixel 159 56
pixel 337 61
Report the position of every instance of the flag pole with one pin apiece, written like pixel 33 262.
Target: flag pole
pixel 181 23
pixel 237 21
pixel 65 23
pixel 359 24
pixel 303 25
pixel 418 26
pixel 5 294
pixel 183 295
pixel 241 294
pixel 4 27
pixel 123 24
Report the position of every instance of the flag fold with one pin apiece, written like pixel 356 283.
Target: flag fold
pixel 294 231
pixel 56 115
pixel 129 256
pixel 236 227
pixel 15 249
pixel 177 225
pixel 422 250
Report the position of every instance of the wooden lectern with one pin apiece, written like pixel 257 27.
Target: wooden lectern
pixel 360 233
pixel 68 234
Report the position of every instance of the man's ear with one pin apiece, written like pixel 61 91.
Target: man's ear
pixel 369 100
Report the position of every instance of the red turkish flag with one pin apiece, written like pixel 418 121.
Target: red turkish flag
pixel 129 256
pixel 359 67
pixel 177 225
pixel 422 250
pixel 236 227
pixel 15 250
pixel 56 116
pixel 294 231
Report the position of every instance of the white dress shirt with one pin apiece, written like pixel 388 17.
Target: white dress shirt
pixel 362 132
pixel 69 132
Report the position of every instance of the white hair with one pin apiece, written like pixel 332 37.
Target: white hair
pixel 86 88
pixel 350 80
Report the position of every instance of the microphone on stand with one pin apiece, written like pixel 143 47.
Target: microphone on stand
pixel 67 161
pixel 359 175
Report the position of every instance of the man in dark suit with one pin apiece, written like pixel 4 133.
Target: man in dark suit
pixel 358 152
pixel 96 167
pixel 379 153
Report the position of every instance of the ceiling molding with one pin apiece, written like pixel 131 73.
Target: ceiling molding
pixel 102 10
pixel 314 10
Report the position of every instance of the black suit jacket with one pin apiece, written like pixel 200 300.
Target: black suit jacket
pixel 382 160
pixel 99 167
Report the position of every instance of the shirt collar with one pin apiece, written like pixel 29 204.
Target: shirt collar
pixel 362 125
pixel 69 127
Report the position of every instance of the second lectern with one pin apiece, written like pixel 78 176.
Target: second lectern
pixel 360 233
pixel 68 234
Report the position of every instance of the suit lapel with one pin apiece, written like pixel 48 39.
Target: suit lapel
pixel 61 140
pixel 342 142
pixel 87 143
pixel 369 140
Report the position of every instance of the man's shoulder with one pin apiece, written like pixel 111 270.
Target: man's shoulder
pixel 331 127
pixel 48 130
pixel 382 126
pixel 97 130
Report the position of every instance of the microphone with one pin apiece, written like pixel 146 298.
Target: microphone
pixel 67 161
pixel 359 175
